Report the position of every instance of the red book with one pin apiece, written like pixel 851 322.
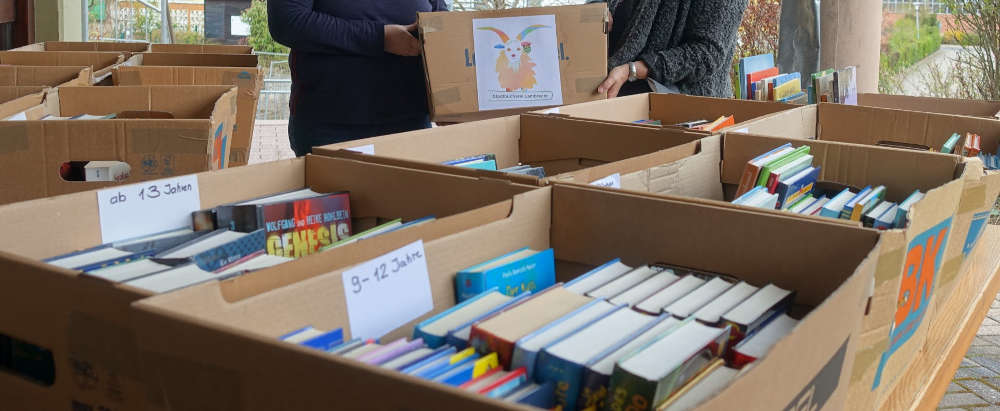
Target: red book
pixel 772 182
pixel 515 378
pixel 489 373
pixel 759 75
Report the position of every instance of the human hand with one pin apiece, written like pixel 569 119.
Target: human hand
pixel 616 78
pixel 399 41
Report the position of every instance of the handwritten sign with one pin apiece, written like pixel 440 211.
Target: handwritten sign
pixel 612 181
pixel 366 149
pixel 145 208
pixel 387 292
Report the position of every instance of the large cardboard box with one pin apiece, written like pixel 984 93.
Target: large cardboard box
pixel 198 340
pixel 200 48
pixel 669 109
pixel 130 47
pixel 194 140
pixel 100 62
pixel 16 101
pixel 568 149
pixel 78 326
pixel 209 69
pixel 449 54
pixel 48 76
pixel 975 108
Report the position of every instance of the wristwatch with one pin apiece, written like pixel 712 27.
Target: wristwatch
pixel 633 72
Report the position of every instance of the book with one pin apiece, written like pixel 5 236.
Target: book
pixel 624 282
pixel 441 352
pixel 122 252
pixel 835 205
pixel 767 169
pixel 296 224
pixel 215 250
pixel 675 291
pixel 390 351
pixel 687 305
pixel 408 358
pixel 380 229
pixel 797 98
pixel 443 364
pixel 536 395
pixel 753 77
pixel 433 331
pixel 484 380
pixel 348 346
pixel 481 162
pixel 950 143
pixel 866 203
pixel 816 206
pixel 514 273
pixel 173 279
pixel 757 344
pixel 718 124
pixel 748 65
pixel 766 303
pixel 657 370
pixel 361 350
pixel 325 340
pixel 904 208
pixel 527 348
pixel 787 88
pixel 848 209
pixel 758 197
pixel 643 290
pixel 887 220
pixel 752 170
pixel 710 382
pixel 711 313
pixel 469 371
pixel 564 362
pixel 506 384
pixel 300 335
pixel 869 218
pixel 848 85
pixel 256 261
pixel 499 332
pixel 802 204
pixel 458 337
pixel 793 188
pixel 597 277
pixel 126 271
pixel 597 375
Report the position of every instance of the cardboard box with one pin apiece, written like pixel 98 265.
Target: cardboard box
pixel 570 150
pixel 196 139
pixel 225 323
pixel 100 62
pixel 48 76
pixel 975 108
pixel 83 322
pixel 669 109
pixel 208 69
pixel 16 101
pixel 200 48
pixel 449 57
pixel 130 47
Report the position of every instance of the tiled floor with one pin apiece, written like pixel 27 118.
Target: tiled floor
pixel 976 385
pixel 270 141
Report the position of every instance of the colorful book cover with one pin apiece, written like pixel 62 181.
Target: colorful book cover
pixel 765 171
pixel 531 273
pixel 435 356
pixel 848 210
pixel 753 77
pixel 864 205
pixel 887 220
pixel 505 385
pixel 434 341
pixel 780 307
pixel 749 65
pixel 472 370
pixel 450 365
pixel 325 341
pixel 789 170
pixel 526 358
pixel 752 170
pixel 294 228
pixel 828 209
pixel 459 337
pixel 796 188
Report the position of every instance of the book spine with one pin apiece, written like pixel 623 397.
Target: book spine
pixel 432 341
pixel 689 369
pixel 629 392
pixel 772 182
pixel 244 218
pixel 524 358
pixel 486 343
pixel 469 285
pixel 211 260
pixel 455 341
pixel 747 179
pixel 739 360
pixel 564 374
pixel 593 390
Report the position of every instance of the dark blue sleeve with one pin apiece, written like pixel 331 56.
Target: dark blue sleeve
pixel 295 24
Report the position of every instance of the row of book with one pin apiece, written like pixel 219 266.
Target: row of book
pixel 699 125
pixel 972 147
pixel 655 336
pixel 489 162
pixel 229 240
pixel 834 86
pixel 785 179
pixel 761 80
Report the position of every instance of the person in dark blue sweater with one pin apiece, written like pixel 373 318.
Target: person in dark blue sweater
pixel 355 68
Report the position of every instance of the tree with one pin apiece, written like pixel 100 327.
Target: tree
pixel 977 68
pixel 260 36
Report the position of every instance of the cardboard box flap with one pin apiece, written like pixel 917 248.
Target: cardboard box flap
pixel 678 108
pixel 977 108
pixel 183 102
pixel 49 76
pixel 189 59
pixel 133 47
pixel 200 48
pixel 96 60
pixel 800 123
pixel 869 125
pixel 635 107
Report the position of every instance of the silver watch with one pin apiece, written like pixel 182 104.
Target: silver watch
pixel 633 72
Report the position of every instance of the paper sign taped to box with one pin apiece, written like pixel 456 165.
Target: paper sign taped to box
pixel 517 63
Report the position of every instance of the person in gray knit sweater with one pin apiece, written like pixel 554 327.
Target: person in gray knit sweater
pixel 679 46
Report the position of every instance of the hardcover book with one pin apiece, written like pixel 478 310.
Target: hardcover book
pixel 515 273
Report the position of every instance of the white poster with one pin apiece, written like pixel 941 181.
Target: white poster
pixel 517 62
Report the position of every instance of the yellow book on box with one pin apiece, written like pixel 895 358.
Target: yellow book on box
pixel 787 89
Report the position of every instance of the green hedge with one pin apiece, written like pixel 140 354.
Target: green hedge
pixel 904 50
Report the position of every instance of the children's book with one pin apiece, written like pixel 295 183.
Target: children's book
pixel 514 273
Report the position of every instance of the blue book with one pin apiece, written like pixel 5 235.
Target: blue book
pixel 482 162
pixel 752 64
pixel 344 346
pixel 835 206
pixel 215 257
pixel 437 355
pixel 796 186
pixel 747 195
pixel 541 396
pixel 848 209
pixel 794 98
pixel 326 341
pixel 458 337
pixel 436 372
pixel 515 273
pixel 435 330
pixel 585 276
pixel 527 348
pixel 508 387
pixel 784 78
pixel 887 219
pixel 904 208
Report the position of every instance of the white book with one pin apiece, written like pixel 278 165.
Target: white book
pixel 656 302
pixel 173 279
pixel 665 355
pixel 606 365
pixel 794 167
pixel 257 262
pixel 624 282
pixel 815 206
pixel 127 271
pixel 89 257
pixel 698 298
pixel 603 334
pixel 712 312
pixel 202 244
pixel 407 358
pixel 486 381
pixel 283 197
pixel 712 384
pixel 801 205
pixel 600 276
pixel 565 326
pixel 759 343
pixel 643 290
pixel 759 303
pixel 362 350
pixel 764 200
pixel 302 335
pixel 475 308
pixel 880 209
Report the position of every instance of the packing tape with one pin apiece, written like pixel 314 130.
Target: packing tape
pixel 592 15
pixel 865 358
pixel 588 85
pixel 447 96
pixel 432 24
pixel 168 140
pixel 889 266
pixel 13 138
pixel 950 269
pixel 973 199
pixel 127 77
pixel 98 347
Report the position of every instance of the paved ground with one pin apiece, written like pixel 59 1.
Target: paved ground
pixel 270 141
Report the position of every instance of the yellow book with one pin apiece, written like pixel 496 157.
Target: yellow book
pixel 484 365
pixel 787 89
pixel 461 355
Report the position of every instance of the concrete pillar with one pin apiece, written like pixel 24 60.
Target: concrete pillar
pixel 58 20
pixel 851 32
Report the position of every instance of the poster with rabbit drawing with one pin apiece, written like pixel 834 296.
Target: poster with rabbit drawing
pixel 517 62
